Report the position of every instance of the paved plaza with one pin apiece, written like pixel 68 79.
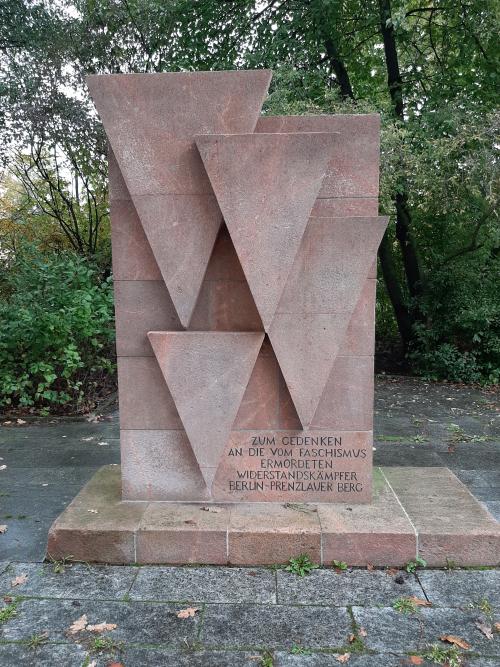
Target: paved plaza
pixel 246 616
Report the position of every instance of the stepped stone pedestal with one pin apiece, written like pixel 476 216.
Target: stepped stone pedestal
pixel 244 259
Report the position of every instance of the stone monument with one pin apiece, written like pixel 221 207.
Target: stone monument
pixel 244 259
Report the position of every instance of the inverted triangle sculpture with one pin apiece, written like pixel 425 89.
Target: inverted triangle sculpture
pixel 266 185
pixel 150 121
pixel 318 301
pixel 207 374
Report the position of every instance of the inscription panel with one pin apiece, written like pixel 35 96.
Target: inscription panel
pixel 296 466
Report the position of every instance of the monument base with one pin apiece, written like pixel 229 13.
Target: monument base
pixel 424 512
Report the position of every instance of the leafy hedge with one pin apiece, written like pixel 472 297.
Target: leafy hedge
pixel 56 331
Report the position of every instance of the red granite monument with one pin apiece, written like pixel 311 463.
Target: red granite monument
pixel 244 258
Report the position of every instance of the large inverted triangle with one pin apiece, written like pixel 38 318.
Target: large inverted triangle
pixel 150 121
pixel 207 374
pixel 181 230
pixel 318 301
pixel 266 185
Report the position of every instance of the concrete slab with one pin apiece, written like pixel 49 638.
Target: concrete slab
pixel 99 526
pixel 451 524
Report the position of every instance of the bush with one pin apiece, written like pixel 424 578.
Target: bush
pixel 56 331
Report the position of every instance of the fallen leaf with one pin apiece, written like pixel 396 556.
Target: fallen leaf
pixel 352 638
pixel 343 658
pixel 3 467
pixel 93 511
pixel 369 567
pixel 7 599
pixel 3 529
pixel 362 632
pixel 6 423
pixel 458 641
pixel 415 660
pixel 91 437
pixel 101 444
pixel 19 581
pixel 210 509
pixel 92 664
pixel 101 627
pixel 78 625
pixel 418 602
pixel 21 421
pixel 497 627
pixel 487 630
pixel 392 572
pixel 190 522
pixel 188 612
pixel 114 664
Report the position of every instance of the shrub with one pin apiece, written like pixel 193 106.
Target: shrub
pixel 56 331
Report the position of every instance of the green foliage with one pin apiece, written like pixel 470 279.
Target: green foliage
pixel 301 565
pixel 8 612
pixel 451 656
pixel 56 330
pixel 339 565
pixel 412 565
pixel 405 606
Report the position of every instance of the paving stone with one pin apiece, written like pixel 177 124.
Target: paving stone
pixel 55 655
pixel 207 584
pixel 282 659
pixel 153 623
pixel 148 657
pixel 414 632
pixel 484 484
pixel 493 507
pixel 473 455
pixel 278 626
pixel 398 454
pixel 83 582
pixel 25 539
pixel 460 588
pixel 355 587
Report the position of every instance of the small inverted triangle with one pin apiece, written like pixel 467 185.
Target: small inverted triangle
pixel 318 301
pixel 266 185
pixel 207 374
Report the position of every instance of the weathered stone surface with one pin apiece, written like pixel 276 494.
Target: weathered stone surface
pixel 354 167
pixel 259 407
pixel 415 632
pixel 145 401
pixel 329 660
pixel 151 119
pixel 278 627
pixel 461 588
pixel 208 584
pixel 343 207
pixel 266 185
pixel 347 401
pixel 359 339
pixel 300 466
pixel 55 655
pixel 176 533
pixel 140 306
pixel 318 302
pixel 378 533
pixel 152 657
pixel 132 256
pixel 225 306
pixel 207 374
pixel 181 230
pixel 340 589
pixel 268 534
pixel 84 582
pixel 160 465
pixel 451 523
pixel 96 526
pixel 158 623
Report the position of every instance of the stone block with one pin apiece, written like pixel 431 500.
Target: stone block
pixel 144 398
pixel 96 526
pixel 450 522
pixel 347 401
pixel 259 407
pixel 345 207
pixel 132 256
pixel 378 533
pixel 117 186
pixel 218 585
pixel 261 534
pixel 141 306
pixel 160 465
pixel 354 167
pixel 178 533
pixel 359 339
pixel 461 588
pixel 224 263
